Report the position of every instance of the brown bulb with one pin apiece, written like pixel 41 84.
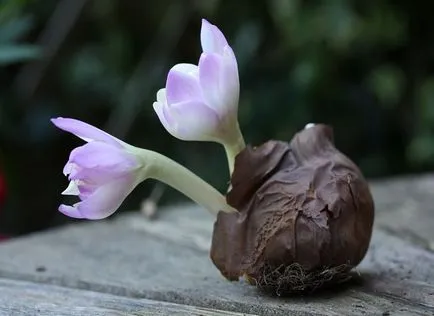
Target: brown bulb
pixel 305 215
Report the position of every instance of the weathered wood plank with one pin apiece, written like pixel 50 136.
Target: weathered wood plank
pixel 168 260
pixel 405 207
pixel 20 298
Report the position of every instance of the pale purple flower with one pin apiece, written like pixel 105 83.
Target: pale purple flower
pixel 105 170
pixel 200 102
pixel 102 172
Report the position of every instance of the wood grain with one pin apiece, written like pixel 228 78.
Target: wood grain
pixel 20 298
pixel 168 260
pixel 405 208
pixel 125 258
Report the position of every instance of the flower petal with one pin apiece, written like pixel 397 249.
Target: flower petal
pixel 97 162
pixel 103 202
pixel 189 69
pixel 210 72
pixel 181 87
pixel 69 167
pixel 72 189
pixel 230 80
pixel 85 131
pixel 70 211
pixel 219 81
pixel 160 108
pixel 194 121
pixel 86 189
pixel 211 38
pixel 161 96
pixel 164 116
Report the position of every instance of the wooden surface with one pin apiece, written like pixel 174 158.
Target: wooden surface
pixel 24 298
pixel 405 207
pixel 132 266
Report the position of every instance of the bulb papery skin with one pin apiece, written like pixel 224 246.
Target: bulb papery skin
pixel 200 102
pixel 305 215
pixel 105 170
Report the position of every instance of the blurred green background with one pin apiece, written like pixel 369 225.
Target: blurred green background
pixel 364 67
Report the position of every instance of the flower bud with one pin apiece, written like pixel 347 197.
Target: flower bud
pixel 200 102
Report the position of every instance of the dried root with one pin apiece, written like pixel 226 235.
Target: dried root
pixel 294 279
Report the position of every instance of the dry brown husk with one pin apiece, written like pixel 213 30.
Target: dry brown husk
pixel 305 215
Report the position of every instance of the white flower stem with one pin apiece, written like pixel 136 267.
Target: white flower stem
pixel 166 170
pixel 233 147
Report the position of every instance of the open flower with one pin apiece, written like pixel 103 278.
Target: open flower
pixel 102 172
pixel 200 102
pixel 105 170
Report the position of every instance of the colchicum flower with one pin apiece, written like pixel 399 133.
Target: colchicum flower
pixel 200 102
pixel 105 170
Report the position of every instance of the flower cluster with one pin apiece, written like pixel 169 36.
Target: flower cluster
pixel 199 103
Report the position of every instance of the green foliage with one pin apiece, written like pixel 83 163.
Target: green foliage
pixel 387 82
pixel 13 28
pixel 17 53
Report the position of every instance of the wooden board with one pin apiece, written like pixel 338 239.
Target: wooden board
pixel 164 263
pixel 405 207
pixel 20 298
pixel 168 260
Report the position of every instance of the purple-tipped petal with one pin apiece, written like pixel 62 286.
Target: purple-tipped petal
pixel 87 189
pixel 85 131
pixel 104 201
pixel 103 158
pixel 230 80
pixel 96 168
pixel 211 38
pixel 218 76
pixel 70 211
pixel 68 168
pixel 181 87
pixel 194 121
pixel 210 74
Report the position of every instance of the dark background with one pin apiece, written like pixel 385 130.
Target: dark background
pixel 364 67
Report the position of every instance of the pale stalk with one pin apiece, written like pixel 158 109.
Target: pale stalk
pixel 164 169
pixel 233 147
